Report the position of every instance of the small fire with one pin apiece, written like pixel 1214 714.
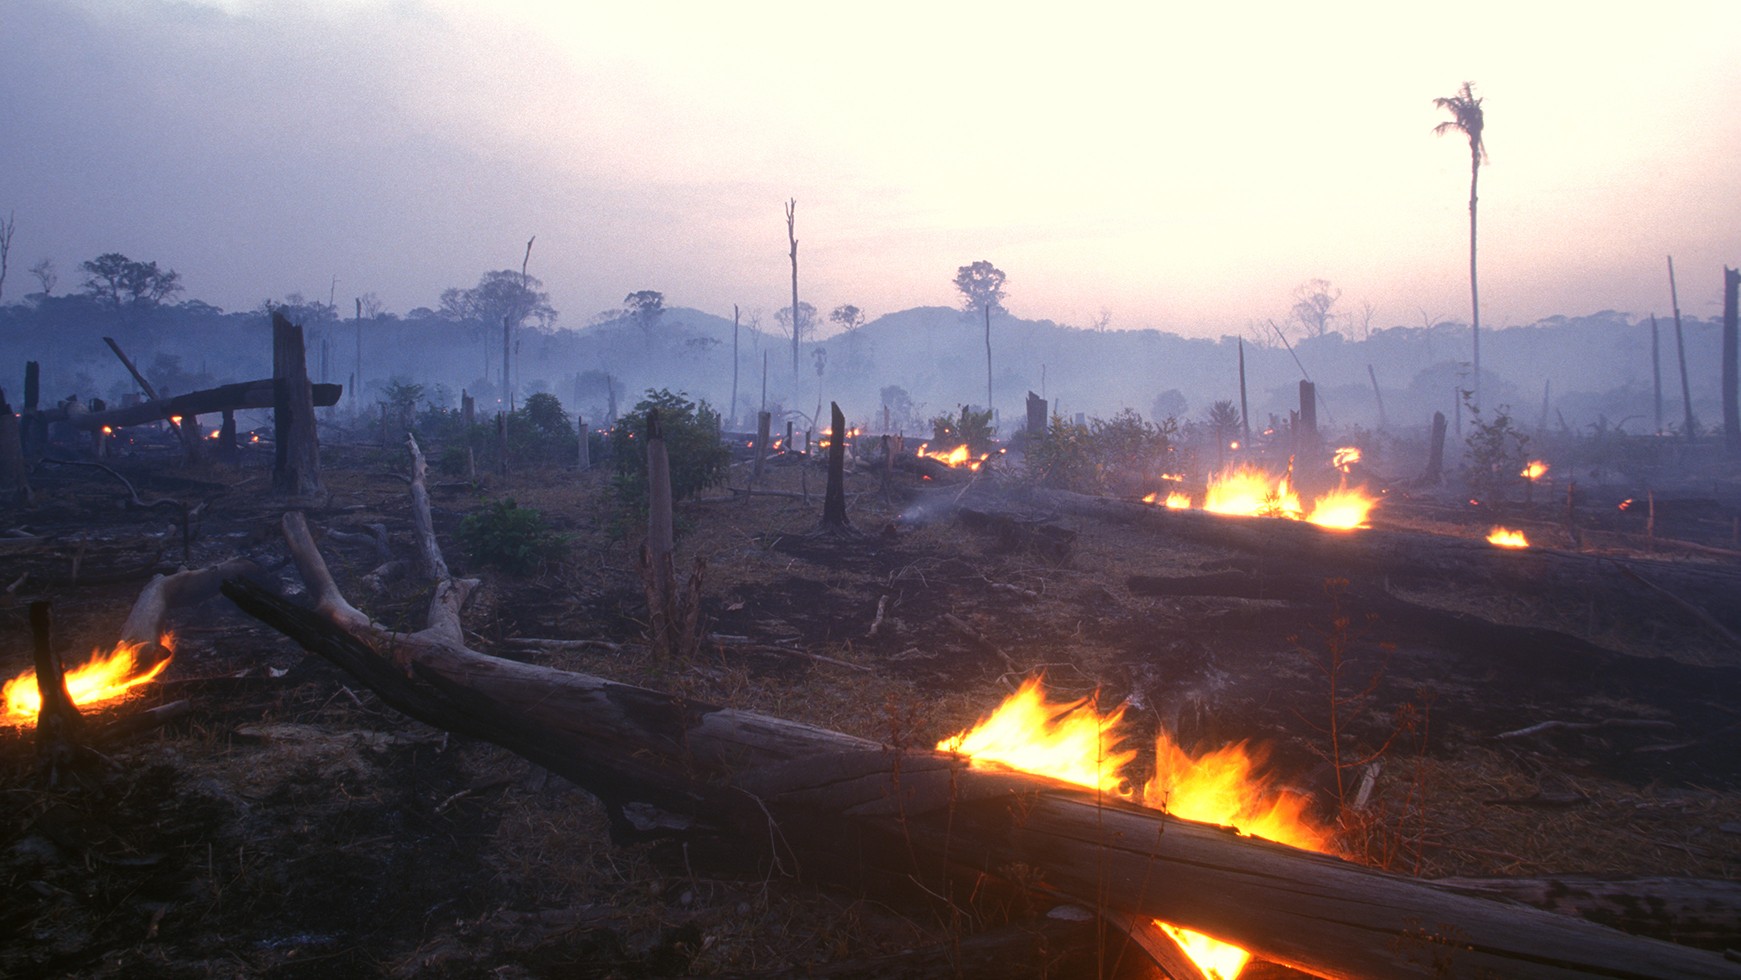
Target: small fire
pixel 100 678
pixel 1251 492
pixel 1505 537
pixel 1174 500
pixel 1345 458
pixel 1535 470
pixel 1075 742
pixel 1342 508
pixel 956 458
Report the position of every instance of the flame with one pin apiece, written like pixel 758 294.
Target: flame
pixel 1251 492
pixel 955 458
pixel 1065 741
pixel 1342 508
pixel 1174 500
pixel 1505 537
pixel 1345 458
pixel 1216 959
pixel 1535 470
pixel 1075 742
pixel 100 678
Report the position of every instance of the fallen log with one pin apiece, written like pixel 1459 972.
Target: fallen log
pixel 230 397
pixel 803 792
pixel 1420 556
pixel 798 792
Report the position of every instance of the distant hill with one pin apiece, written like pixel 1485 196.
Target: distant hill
pixel 1593 370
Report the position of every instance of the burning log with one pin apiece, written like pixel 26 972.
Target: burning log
pixel 1416 555
pixel 805 791
pixel 793 790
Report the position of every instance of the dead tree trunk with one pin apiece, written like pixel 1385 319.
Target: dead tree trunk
pixel 296 463
pixel 1656 370
pixel 764 425
pixel 1376 394
pixel 1244 412
pixel 834 497
pixel 1036 416
pixel 673 608
pixel 14 472
pixel 805 792
pixel 1435 471
pixel 58 722
pixel 1681 349
pixel 1731 362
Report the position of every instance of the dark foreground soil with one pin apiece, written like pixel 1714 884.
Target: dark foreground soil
pixel 291 825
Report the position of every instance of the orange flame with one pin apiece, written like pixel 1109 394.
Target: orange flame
pixel 1342 508
pixel 956 458
pixel 1174 500
pixel 1251 492
pixel 1505 537
pixel 98 679
pixel 1345 458
pixel 1535 470
pixel 1075 742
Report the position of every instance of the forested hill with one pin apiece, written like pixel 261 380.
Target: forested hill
pixel 1594 370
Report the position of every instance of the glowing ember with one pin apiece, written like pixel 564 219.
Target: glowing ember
pixel 1074 742
pixel 1505 537
pixel 1345 458
pixel 1217 960
pixel 100 678
pixel 1535 470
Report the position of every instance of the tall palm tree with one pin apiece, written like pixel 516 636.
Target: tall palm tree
pixel 1467 118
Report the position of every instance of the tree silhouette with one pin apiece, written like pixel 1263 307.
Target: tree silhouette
pixel 1468 119
pixel 981 286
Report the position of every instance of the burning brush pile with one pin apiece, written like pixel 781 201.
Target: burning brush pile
pixel 1251 491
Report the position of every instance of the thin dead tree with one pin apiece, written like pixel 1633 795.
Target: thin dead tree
pixel 792 236
pixel 1681 350
pixel 1731 362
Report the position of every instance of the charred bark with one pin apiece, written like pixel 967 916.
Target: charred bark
pixel 296 465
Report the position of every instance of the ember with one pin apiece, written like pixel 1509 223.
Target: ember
pixel 1075 742
pixel 1535 470
pixel 101 678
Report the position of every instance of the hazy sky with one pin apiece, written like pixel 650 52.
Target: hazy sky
pixel 1181 169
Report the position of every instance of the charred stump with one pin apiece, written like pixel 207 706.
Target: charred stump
pixel 14 472
pixel 834 497
pixel 296 461
pixel 1434 474
pixel 673 608
pixel 58 722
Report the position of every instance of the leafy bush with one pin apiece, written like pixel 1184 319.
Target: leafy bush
pixel 698 459
pixel 1496 453
pixel 972 428
pixel 513 538
pixel 1122 454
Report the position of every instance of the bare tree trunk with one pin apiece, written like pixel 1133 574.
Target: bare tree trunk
pixel 296 464
pixel 834 498
pixel 1474 292
pixel 1731 363
pixel 734 365
pixel 764 422
pixel 1244 412
pixel 792 236
pixel 1681 349
pixel 1435 472
pixel 14 474
pixel 58 722
pixel 988 357
pixel 357 371
pixel 1656 369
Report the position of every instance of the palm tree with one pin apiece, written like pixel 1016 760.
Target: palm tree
pixel 1466 118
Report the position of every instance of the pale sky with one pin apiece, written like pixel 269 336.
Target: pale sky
pixel 1183 169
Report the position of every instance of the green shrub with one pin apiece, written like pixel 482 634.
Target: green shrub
pixel 1121 453
pixel 972 428
pixel 698 459
pixel 1496 452
pixel 513 538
